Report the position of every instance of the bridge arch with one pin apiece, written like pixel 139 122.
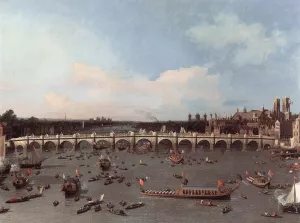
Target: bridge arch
pixel 267 146
pixel 122 145
pixel 165 145
pixel 33 145
pixel 220 145
pixel 236 145
pixel 203 145
pixel 49 147
pixel 102 143
pixel 84 145
pixel 185 145
pixel 66 145
pixel 252 145
pixel 143 145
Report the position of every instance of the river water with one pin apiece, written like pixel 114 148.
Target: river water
pixel 163 210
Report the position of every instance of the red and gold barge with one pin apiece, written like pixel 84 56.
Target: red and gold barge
pixel 198 192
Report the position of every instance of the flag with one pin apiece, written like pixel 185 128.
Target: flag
pixel 270 173
pixel 247 173
pixel 220 183
pixel 182 174
pixel 77 172
pixel 141 182
pixel 28 171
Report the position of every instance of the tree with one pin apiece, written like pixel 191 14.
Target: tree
pixel 9 117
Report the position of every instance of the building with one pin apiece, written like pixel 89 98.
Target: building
pixel 295 141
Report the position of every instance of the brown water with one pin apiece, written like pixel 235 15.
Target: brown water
pixel 163 210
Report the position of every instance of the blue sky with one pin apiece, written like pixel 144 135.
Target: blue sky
pixel 127 59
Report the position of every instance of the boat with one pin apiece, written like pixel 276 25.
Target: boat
pixel 70 186
pixel 209 204
pixel 117 212
pixel 97 208
pixel 6 169
pixel 292 204
pixel 177 158
pixel 104 164
pixel 121 148
pixel 270 215
pixel 35 161
pixel 36 195
pixel 198 192
pixel 3 210
pixel 92 179
pixel 244 196
pixel 83 209
pixel 17 200
pixel 135 205
pixel 226 209
pixel 122 203
pixel 19 182
pixel 295 167
pixel 177 176
pixel 259 181
pixel 93 203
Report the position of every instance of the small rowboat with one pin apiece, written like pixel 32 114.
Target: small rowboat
pixel 244 196
pixel 3 210
pixel 205 204
pixel 226 209
pixel 83 209
pixel 270 215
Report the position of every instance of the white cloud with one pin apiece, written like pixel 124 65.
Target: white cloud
pixel 252 43
pixel 111 95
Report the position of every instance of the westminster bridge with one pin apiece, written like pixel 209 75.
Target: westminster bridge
pixel 206 141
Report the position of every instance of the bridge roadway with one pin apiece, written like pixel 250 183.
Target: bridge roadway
pixel 210 141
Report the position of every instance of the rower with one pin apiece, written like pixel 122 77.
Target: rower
pixel 209 203
pixel 202 202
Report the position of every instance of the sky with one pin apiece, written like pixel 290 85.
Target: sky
pixel 140 59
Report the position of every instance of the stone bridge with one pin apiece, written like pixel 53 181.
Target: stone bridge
pixel 194 141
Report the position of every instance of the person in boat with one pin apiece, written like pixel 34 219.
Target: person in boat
pixel 202 202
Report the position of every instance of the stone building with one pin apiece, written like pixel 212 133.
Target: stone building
pixel 295 140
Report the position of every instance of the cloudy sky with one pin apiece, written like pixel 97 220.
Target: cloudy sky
pixel 135 59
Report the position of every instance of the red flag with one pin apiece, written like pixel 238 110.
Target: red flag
pixel 270 173
pixel 77 172
pixel 28 171
pixel 182 174
pixel 141 182
pixel 220 183
pixel 247 173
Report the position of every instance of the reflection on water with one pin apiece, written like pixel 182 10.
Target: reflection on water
pixel 160 176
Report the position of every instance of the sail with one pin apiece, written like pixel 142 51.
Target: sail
pixel 291 196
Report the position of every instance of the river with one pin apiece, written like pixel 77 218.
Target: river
pixel 162 210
